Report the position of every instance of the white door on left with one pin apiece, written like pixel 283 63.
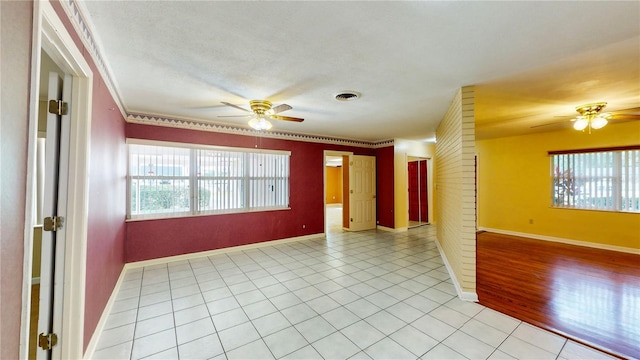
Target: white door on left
pixel 54 212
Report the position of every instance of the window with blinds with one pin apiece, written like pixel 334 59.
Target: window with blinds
pixel 607 179
pixel 168 179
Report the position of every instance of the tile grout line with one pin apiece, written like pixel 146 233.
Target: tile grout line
pixel 135 324
pixel 291 258
pixel 206 306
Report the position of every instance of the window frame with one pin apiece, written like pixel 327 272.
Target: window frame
pixel 599 174
pixel 194 179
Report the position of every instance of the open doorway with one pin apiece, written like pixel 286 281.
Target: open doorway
pixel 333 193
pixel 62 269
pixel 417 177
pixel 47 66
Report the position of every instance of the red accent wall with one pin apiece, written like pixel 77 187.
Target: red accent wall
pixel 107 205
pixel 385 187
pixel 107 194
pixel 149 239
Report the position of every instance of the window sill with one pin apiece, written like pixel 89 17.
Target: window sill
pixel 207 213
pixel 598 210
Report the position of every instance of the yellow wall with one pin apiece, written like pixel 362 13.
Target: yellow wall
pixel 455 196
pixel 403 149
pixel 514 187
pixel 334 185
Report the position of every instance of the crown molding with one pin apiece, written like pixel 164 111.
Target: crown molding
pixel 237 130
pixel 75 11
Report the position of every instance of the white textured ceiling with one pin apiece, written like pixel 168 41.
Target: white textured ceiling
pixel 531 61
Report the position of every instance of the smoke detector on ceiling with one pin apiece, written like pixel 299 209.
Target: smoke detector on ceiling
pixel 347 95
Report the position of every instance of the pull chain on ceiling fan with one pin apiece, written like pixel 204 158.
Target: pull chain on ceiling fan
pixel 262 112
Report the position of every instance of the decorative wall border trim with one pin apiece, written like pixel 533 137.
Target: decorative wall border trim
pixel 237 130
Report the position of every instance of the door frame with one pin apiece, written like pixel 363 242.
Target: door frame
pixel 429 160
pixel 324 182
pixel 50 34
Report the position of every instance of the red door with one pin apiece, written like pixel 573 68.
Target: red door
pixel 418 200
pixel 422 178
pixel 414 192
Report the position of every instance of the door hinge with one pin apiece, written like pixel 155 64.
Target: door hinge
pixel 48 341
pixel 53 223
pixel 58 107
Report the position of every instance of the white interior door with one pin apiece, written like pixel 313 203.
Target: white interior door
pixel 54 206
pixel 362 192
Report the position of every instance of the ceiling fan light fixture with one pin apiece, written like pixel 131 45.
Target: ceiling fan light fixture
pixel 598 122
pixel 260 123
pixel 580 123
pixel 590 117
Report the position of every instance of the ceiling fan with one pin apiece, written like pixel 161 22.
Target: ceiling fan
pixel 262 110
pixel 591 117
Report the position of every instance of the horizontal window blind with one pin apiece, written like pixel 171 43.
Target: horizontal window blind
pixel 167 180
pixel 599 180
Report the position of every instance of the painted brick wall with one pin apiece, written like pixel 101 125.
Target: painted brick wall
pixel 455 205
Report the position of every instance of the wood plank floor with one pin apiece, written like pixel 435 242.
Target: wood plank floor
pixel 589 295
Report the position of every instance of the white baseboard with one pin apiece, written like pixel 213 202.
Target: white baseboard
pixel 167 259
pixel 93 343
pixel 384 228
pixel 463 295
pixel 564 241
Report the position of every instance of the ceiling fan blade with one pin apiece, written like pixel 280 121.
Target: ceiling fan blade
pixel 280 108
pixel 547 124
pixel 624 111
pixel 624 117
pixel 286 118
pixel 235 106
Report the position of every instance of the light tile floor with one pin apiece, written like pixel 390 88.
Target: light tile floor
pixel 365 295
